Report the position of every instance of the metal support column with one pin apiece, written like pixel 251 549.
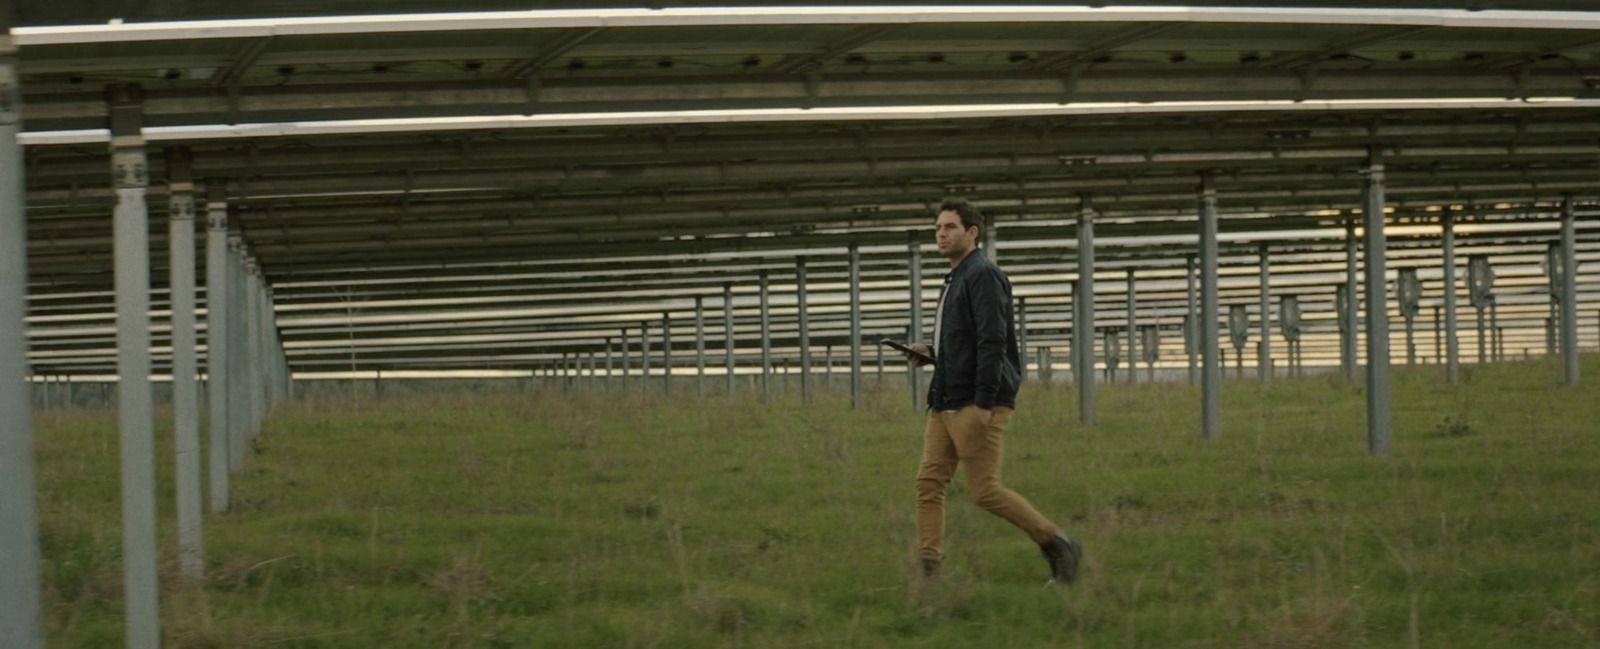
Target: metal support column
pixel 1349 357
pixel 914 263
pixel 217 345
pixel 21 617
pixel 666 353
pixel 238 355
pixel 141 590
pixel 185 394
pixel 610 367
pixel 644 357
pixel 1495 335
pixel 1377 307
pixel 1211 374
pixel 727 328
pixel 1264 350
pixel 805 328
pixel 1569 294
pixel 1083 308
pixel 627 362
pixel 1452 349
pixel 1191 330
pixel 1133 331
pixel 856 399
pixel 1439 336
pixel 766 339
pixel 1022 335
pixel 700 346
pixel 252 327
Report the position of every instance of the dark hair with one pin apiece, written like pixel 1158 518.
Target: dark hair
pixel 970 218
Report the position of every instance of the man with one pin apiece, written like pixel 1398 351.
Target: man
pixel 974 388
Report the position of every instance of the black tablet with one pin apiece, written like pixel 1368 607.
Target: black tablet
pixel 918 355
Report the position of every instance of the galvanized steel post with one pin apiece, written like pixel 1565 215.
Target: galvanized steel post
pixel 1452 350
pixel 805 328
pixel 1377 307
pixel 21 618
pixel 141 590
pixel 1022 335
pixel 644 357
pixel 239 355
pixel 699 346
pixel 1190 330
pixel 666 353
pixel 766 339
pixel 626 362
pixel 1133 331
pixel 727 328
pixel 856 399
pixel 217 344
pixel 1211 379
pixel 1569 294
pixel 914 263
pixel 1350 358
pixel 1264 351
pixel 1083 322
pixel 252 328
pixel 185 395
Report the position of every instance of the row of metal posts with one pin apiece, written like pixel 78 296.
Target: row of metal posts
pixel 1372 209
pixel 247 371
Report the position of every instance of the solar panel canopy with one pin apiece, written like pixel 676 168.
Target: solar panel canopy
pixel 481 191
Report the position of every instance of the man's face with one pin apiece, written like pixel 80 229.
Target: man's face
pixel 954 240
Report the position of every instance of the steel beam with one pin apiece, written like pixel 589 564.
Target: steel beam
pixel 1211 380
pixel 805 328
pixel 21 617
pixel 135 407
pixel 1083 323
pixel 217 370
pixel 1569 294
pixel 1452 352
pixel 857 401
pixel 1264 351
pixel 626 363
pixel 1377 307
pixel 185 394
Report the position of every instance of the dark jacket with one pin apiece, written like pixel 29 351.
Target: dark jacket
pixel 977 346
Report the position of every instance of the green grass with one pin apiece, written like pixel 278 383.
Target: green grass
pixel 523 520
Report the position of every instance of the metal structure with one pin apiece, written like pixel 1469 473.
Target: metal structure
pixel 1289 325
pixel 501 193
pixel 1408 290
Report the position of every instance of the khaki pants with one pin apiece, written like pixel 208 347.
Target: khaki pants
pixel 960 437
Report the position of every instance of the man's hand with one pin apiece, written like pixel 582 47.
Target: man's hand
pixel 918 360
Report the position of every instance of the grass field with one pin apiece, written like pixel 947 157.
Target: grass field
pixel 537 520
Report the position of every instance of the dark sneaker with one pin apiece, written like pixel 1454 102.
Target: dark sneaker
pixel 930 568
pixel 1063 553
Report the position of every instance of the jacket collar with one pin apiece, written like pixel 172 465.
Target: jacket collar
pixel 971 261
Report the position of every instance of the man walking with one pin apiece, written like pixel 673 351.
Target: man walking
pixel 974 388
